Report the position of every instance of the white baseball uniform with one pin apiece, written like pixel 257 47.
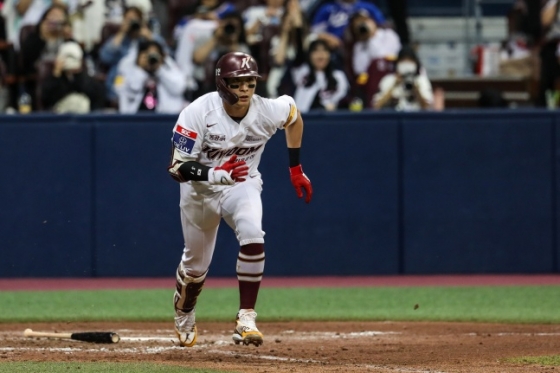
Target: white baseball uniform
pixel 207 134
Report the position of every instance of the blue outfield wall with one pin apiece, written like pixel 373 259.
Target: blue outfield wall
pixel 419 193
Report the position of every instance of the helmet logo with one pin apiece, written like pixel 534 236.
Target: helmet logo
pixel 245 63
pixel 218 71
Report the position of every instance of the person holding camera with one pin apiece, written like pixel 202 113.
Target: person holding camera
pixel 373 54
pixel 228 36
pixel 154 83
pixel 124 44
pixel 331 19
pixel 200 10
pixel 194 31
pixel 408 89
pixel 70 89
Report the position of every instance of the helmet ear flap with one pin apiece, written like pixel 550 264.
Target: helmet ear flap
pixel 230 97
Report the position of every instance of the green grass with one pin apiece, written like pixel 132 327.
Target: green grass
pixel 98 367
pixel 537 360
pixel 520 304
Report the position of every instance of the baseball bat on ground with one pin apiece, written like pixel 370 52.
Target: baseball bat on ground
pixel 95 337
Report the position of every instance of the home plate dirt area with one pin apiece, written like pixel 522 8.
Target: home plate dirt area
pixel 413 347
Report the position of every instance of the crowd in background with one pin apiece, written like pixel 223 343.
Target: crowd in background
pixel 128 56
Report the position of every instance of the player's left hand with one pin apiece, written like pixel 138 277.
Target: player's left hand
pixel 237 169
pixel 301 181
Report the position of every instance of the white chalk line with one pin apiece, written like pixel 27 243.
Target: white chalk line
pixel 509 334
pixel 313 361
pixel 404 370
pixel 69 350
pixel 137 336
pixel 160 349
pixel 265 357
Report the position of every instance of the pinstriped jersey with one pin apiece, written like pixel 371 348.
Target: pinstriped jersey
pixel 205 133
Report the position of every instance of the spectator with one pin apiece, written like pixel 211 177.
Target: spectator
pixel 198 31
pixel 550 51
pixel 124 44
pixel 70 89
pixel 154 83
pixel 19 13
pixel 319 86
pixel 8 71
pixel 374 52
pixel 258 16
pixel 228 36
pixel 331 20
pixel 87 22
pixel 91 15
pixel 283 49
pixel 408 89
pixel 516 53
pixel 210 10
pixel 41 46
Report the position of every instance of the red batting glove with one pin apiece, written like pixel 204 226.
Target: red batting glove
pixel 237 170
pixel 299 181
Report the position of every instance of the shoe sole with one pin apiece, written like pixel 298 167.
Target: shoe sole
pixel 254 339
pixel 183 344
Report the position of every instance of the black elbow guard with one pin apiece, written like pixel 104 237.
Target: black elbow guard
pixel 194 171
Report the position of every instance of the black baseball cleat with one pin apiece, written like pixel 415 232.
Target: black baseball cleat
pixel 246 331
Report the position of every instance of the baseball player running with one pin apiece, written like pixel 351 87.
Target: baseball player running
pixel 217 146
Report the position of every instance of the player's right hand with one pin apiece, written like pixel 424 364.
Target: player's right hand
pixel 228 173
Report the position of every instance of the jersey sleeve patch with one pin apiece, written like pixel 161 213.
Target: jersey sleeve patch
pixel 184 139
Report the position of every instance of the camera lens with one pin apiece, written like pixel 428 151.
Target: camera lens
pixel 153 58
pixel 408 81
pixel 229 29
pixel 363 29
pixel 134 26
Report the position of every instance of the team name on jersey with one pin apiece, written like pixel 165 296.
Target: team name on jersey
pixel 217 153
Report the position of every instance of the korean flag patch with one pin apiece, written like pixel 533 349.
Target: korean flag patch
pixel 184 139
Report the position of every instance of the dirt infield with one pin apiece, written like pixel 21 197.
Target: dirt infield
pixel 302 347
pixel 384 347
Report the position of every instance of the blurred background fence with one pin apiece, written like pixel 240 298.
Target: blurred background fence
pixel 416 193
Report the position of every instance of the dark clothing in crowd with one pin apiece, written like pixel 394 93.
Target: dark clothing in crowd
pixel 55 89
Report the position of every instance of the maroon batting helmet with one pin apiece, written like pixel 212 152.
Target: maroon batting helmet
pixel 233 65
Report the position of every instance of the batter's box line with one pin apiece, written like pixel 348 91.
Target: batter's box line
pixel 292 360
pixel 266 357
pixel 397 369
pixel 70 350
